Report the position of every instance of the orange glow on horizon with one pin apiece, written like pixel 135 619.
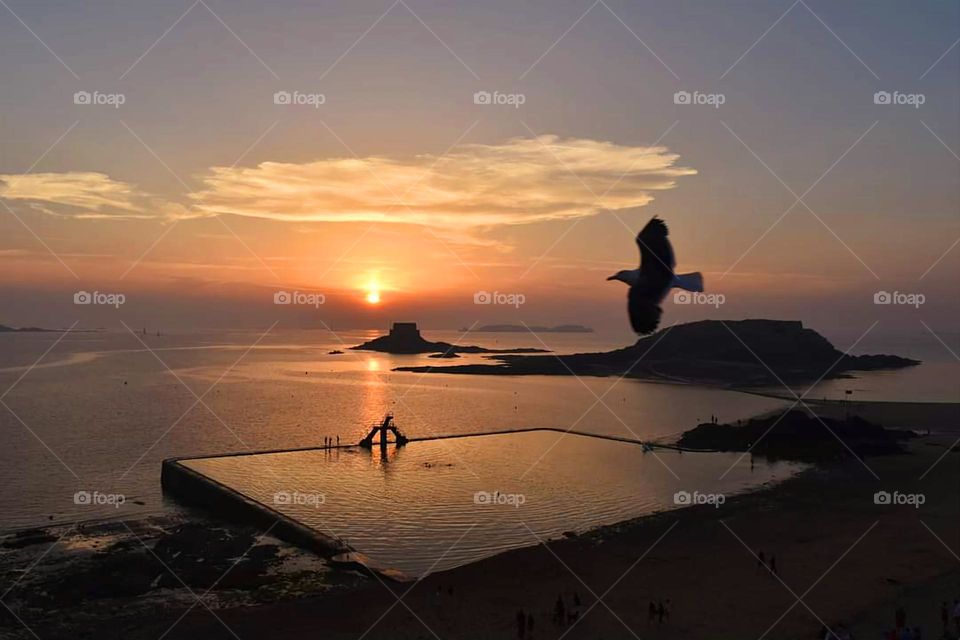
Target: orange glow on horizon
pixel 373 297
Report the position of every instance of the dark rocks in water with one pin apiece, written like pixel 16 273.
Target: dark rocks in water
pixel 710 351
pixel 115 575
pixel 445 354
pixel 200 556
pixel 797 435
pixel 405 338
pixel 28 537
pixel 335 352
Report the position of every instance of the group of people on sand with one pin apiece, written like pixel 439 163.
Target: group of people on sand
pixel 659 612
pixel 564 615
pixel 565 612
pixel 948 614
pixel 901 631
pixel 328 442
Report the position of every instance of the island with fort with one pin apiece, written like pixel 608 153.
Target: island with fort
pixel 727 352
pixel 405 338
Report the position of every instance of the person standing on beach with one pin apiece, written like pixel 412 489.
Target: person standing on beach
pixel 521 623
pixel 660 612
pixel 773 565
pixel 651 613
pixel 761 561
pixel 574 613
pixel 559 611
pixel 900 618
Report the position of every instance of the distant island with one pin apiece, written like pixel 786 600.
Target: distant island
pixel 405 338
pixel 519 328
pixel 736 353
pixel 5 329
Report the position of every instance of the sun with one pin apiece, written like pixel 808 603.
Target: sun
pixel 373 297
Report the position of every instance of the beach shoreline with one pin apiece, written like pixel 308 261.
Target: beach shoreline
pixel 701 558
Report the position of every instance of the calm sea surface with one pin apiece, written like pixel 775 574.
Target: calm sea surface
pixel 99 412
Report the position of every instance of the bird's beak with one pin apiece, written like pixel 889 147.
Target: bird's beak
pixel 613 277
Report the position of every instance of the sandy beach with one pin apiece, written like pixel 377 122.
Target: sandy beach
pixel 841 559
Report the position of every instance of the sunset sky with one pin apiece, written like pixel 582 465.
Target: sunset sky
pixel 399 197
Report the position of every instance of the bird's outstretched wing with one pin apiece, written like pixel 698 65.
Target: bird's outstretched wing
pixel 644 312
pixel 656 254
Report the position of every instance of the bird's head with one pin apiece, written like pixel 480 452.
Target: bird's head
pixel 627 276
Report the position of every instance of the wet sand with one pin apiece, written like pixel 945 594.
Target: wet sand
pixel 850 561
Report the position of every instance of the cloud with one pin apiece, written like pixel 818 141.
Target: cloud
pixel 76 193
pixel 521 181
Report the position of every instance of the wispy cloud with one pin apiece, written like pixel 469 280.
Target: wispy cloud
pixel 521 181
pixel 75 193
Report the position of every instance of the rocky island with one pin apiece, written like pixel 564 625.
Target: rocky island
pixel 405 338
pixel 798 435
pixel 736 353
pixel 5 329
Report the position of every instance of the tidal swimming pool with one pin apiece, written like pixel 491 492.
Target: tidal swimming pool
pixel 437 504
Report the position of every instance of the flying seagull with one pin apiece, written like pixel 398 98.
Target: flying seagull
pixel 650 283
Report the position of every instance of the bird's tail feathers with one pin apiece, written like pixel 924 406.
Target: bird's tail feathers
pixel 689 281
